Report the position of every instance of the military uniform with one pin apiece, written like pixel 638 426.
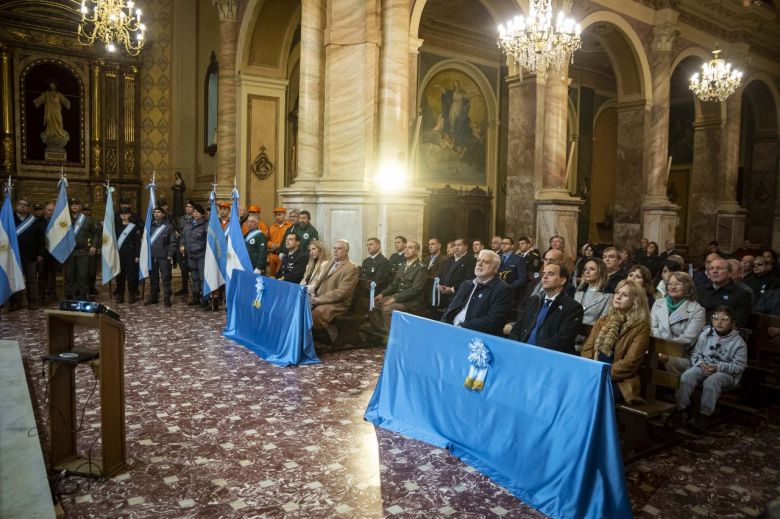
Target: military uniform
pixel 30 235
pixel 195 237
pixel 396 260
pixel 183 223
pixel 76 267
pixel 293 266
pixel 94 261
pixel 47 273
pixel 407 290
pixel 376 269
pixel 257 247
pixel 129 246
pixel 163 249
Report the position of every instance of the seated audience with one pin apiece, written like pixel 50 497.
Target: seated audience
pixel 746 249
pixel 718 360
pixel 590 293
pixel 495 244
pixel 769 303
pixel 293 262
pixel 457 269
pixel 701 277
pixel 678 317
pixel 640 252
pixel 737 278
pixel 450 249
pixel 651 259
pixel 333 292
pixel 722 291
pixel 531 256
pixel 669 250
pixel 761 280
pixel 669 266
pixel 376 267
pixel 476 246
pixel 484 303
pixel 770 257
pixel 397 258
pixel 435 259
pixel 405 293
pixel 621 339
pixel 318 260
pixel 747 265
pixel 513 268
pixel 551 321
pixel 640 274
pixel 615 273
pixel 586 252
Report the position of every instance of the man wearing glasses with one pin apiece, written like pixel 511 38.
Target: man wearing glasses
pixel 761 280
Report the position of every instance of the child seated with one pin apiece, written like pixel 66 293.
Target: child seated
pixel 718 361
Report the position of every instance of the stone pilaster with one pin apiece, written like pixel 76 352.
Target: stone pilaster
pixel 312 91
pixel 226 97
pixel 703 198
pixel 629 209
pixel 659 216
pixel 731 216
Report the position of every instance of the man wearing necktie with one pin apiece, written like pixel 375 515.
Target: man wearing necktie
pixel 484 303
pixel 550 320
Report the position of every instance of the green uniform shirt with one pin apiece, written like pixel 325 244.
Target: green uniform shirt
pixel 257 247
pixel 89 235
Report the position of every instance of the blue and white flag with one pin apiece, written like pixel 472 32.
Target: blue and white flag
pixel 237 255
pixel 216 252
pixel 11 277
pixel 145 258
pixel 108 251
pixel 60 240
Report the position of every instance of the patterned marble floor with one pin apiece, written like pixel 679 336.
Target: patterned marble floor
pixel 213 431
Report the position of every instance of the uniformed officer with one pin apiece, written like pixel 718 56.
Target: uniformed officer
pixel 32 243
pixel 128 243
pixel 163 247
pixel 531 256
pixel 304 230
pixel 76 267
pixel 181 227
pixel 294 261
pixel 195 236
pixel 256 244
pixel 376 267
pixel 94 261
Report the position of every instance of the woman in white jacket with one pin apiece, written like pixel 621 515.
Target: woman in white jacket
pixel 678 317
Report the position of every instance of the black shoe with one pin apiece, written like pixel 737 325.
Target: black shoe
pixel 182 292
pixel 167 301
pixel 701 423
pixel 194 301
pixel 120 300
pixel 151 301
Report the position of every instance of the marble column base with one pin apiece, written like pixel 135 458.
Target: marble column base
pixel 557 216
pixel 358 214
pixel 659 223
pixel 731 229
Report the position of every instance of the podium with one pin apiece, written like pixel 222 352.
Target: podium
pixel 62 395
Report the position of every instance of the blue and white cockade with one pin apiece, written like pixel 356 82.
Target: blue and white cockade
pixel 479 358
pixel 371 296
pixel 259 289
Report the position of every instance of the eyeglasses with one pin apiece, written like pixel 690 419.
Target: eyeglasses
pixel 721 317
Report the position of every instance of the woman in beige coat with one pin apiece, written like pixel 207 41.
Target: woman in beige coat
pixel 621 339
pixel 318 260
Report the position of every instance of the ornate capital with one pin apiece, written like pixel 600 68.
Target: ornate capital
pixel 227 9
pixel 663 36
pixel 8 153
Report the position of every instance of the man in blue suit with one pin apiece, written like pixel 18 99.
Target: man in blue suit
pixel 481 304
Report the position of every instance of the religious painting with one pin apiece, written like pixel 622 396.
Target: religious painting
pixel 210 107
pixel 52 114
pixel 453 132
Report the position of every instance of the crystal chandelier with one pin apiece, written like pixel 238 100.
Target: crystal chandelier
pixel 717 80
pixel 113 22
pixel 535 44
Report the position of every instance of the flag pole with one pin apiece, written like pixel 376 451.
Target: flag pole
pixel 108 195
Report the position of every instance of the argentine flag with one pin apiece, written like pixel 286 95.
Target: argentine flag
pixel 11 278
pixel 237 255
pixel 145 258
pixel 108 250
pixel 216 249
pixel 60 240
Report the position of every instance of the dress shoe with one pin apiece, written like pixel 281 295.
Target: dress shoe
pixel 133 300
pixel 167 301
pixel 182 292
pixel 120 300
pixel 152 301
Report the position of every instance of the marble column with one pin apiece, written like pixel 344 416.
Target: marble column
pixel 731 216
pixel 8 156
pixel 394 85
pixel 704 189
pixel 312 91
pixel 761 187
pixel 557 212
pixel 226 98
pixel 629 208
pixel 659 215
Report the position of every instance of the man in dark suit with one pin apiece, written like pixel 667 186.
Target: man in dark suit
pixel 376 267
pixel 669 251
pixel 30 235
pixel 513 269
pixel 397 258
pixel 615 273
pixel 484 304
pixel 458 269
pixel 436 258
pixel 551 321
pixel 293 265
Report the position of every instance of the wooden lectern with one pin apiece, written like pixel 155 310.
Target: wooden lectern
pixel 62 395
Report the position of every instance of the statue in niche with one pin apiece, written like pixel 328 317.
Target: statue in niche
pixel 178 187
pixel 54 136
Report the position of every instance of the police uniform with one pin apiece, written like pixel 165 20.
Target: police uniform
pixel 184 222
pixel 257 247
pixel 76 267
pixel 128 243
pixel 195 237
pixel 293 266
pixel 163 248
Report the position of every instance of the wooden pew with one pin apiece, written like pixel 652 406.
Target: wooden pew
pixel 347 324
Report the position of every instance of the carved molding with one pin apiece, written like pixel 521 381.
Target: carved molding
pixel 664 36
pixel 228 9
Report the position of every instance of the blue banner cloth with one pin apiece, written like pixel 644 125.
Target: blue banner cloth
pixel 543 427
pixel 271 318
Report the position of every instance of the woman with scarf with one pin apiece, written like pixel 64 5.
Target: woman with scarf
pixel 621 339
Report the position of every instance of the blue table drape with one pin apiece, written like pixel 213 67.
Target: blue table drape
pixel 272 319
pixel 543 427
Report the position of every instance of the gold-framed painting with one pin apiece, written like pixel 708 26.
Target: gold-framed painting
pixel 453 131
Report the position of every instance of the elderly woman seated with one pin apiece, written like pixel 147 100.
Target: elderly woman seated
pixel 621 339
pixel 678 317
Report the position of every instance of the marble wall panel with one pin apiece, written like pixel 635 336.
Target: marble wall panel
pixel 629 181
pixel 344 223
pixel 263 127
pixel 521 155
pixel 704 188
